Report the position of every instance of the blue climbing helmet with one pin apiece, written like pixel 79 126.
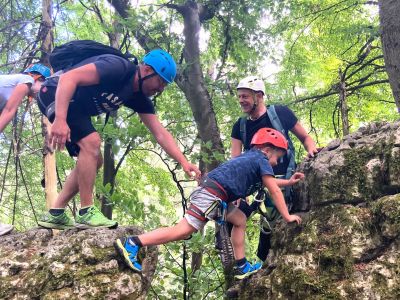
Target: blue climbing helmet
pixel 38 68
pixel 162 63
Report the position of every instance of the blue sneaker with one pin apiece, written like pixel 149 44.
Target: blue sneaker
pixel 257 265
pixel 246 270
pixel 129 253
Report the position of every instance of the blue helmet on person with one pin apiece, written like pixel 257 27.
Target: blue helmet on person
pixel 162 63
pixel 38 68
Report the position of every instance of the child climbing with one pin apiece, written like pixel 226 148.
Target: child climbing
pixel 236 178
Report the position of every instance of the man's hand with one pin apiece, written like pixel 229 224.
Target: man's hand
pixel 313 151
pixel 293 218
pixel 296 177
pixel 59 134
pixel 192 171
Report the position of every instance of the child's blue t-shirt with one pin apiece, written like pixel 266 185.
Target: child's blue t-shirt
pixel 242 176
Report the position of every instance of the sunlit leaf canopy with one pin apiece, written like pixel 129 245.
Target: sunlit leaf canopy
pixel 297 47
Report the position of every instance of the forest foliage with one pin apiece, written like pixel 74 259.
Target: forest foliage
pixel 303 49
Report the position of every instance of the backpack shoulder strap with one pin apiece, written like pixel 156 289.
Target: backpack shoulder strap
pixel 275 121
pixel 277 124
pixel 243 134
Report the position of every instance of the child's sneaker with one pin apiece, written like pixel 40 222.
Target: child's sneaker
pixel 129 253
pixel 94 218
pixel 246 270
pixel 61 221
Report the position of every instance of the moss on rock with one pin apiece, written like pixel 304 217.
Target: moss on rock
pixel 387 216
pixel 339 252
pixel 71 265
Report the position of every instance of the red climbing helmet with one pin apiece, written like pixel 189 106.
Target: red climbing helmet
pixel 269 136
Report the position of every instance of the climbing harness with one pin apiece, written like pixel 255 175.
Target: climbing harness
pixel 269 213
pixel 221 217
pixel 222 242
pixel 220 202
pixel 194 211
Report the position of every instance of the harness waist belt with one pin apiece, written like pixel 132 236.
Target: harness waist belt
pixel 214 188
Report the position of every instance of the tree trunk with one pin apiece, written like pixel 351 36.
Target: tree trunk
pixel 389 12
pixel 343 104
pixel 109 161
pixel 191 82
pixel 49 158
pixel 108 173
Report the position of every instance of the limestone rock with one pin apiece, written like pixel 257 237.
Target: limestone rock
pixel 339 252
pixel 72 264
pixel 364 166
pixel 348 246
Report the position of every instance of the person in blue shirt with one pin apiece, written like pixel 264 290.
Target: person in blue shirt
pixel 234 179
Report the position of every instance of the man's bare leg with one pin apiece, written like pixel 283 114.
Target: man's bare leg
pixel 71 186
pixel 89 161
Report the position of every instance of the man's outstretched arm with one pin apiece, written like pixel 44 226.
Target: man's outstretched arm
pixel 167 142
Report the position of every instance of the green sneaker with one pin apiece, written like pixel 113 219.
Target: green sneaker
pixel 56 222
pixel 94 218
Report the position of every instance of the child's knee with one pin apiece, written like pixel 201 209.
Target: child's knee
pixel 237 218
pixel 187 236
pixel 240 224
pixel 184 230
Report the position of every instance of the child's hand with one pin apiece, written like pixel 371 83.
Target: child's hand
pixel 296 177
pixel 293 218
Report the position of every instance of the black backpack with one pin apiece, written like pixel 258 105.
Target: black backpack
pixel 69 54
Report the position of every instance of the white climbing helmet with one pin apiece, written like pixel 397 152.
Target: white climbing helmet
pixel 252 83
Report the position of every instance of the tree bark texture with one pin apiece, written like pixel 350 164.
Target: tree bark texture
pixel 190 80
pixel 109 159
pixel 343 104
pixel 108 173
pixel 389 15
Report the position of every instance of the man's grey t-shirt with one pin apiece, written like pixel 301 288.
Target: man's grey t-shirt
pixel 8 83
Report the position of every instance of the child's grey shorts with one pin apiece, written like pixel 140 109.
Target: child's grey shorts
pixel 203 199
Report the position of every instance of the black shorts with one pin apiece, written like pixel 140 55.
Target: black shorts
pixel 78 120
pixel 246 208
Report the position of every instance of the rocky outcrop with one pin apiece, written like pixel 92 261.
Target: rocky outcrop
pixel 348 246
pixel 72 264
pixel 364 166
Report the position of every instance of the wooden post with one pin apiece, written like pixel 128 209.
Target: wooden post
pixel 49 157
pixel 49 160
